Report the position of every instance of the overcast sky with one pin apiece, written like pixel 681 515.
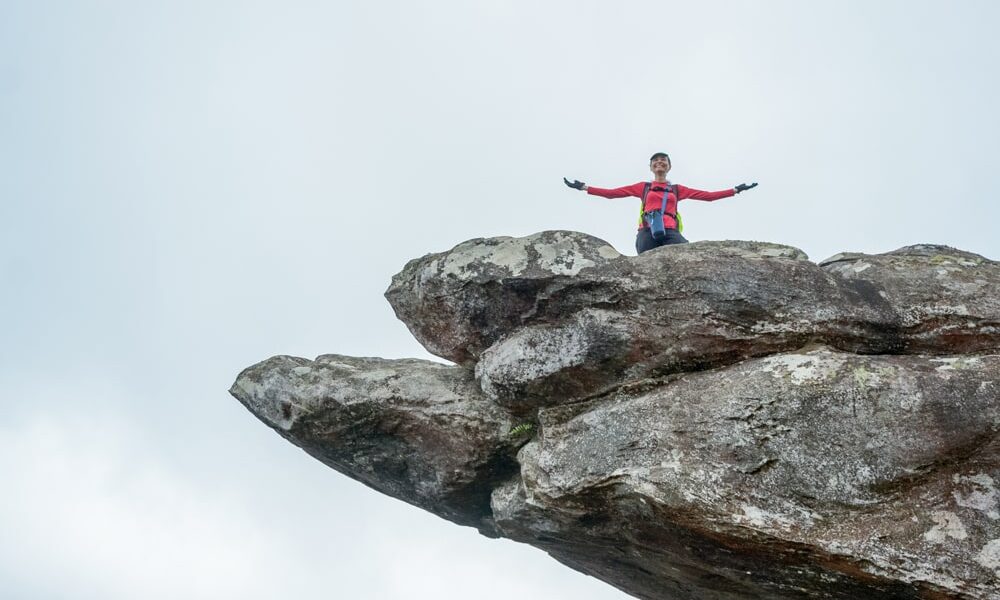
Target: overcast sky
pixel 189 187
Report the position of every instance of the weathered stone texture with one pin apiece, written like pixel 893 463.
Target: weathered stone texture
pixel 721 420
pixel 412 429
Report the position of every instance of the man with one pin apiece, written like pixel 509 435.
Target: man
pixel 654 210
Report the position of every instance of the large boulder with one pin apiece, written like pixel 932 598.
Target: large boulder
pixel 460 302
pixel 415 430
pixel 946 300
pixel 716 420
pixel 861 477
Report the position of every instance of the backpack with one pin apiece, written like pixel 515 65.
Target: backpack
pixel 654 218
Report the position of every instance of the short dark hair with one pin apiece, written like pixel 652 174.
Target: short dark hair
pixel 659 154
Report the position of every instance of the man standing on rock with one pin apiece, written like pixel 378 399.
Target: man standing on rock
pixel 659 223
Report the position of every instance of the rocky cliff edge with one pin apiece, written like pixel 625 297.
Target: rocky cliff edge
pixel 717 420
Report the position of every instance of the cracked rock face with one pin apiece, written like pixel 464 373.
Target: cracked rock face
pixel 716 420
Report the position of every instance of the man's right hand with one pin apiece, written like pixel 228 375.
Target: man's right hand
pixel 576 185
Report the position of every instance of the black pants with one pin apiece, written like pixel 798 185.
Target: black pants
pixel 644 239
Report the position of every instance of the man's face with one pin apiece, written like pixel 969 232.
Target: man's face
pixel 659 164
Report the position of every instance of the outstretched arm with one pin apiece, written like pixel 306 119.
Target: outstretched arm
pixel 622 192
pixel 684 193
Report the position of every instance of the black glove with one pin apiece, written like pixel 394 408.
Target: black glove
pixel 744 187
pixel 576 185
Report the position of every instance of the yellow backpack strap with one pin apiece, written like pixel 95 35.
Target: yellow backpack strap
pixel 642 204
pixel 677 217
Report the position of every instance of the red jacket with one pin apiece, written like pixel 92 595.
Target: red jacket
pixel 654 199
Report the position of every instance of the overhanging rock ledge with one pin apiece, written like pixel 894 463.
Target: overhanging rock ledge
pixel 717 420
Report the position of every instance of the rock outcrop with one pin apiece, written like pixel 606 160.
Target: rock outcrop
pixel 718 420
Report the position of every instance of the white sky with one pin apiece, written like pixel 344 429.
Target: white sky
pixel 187 188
